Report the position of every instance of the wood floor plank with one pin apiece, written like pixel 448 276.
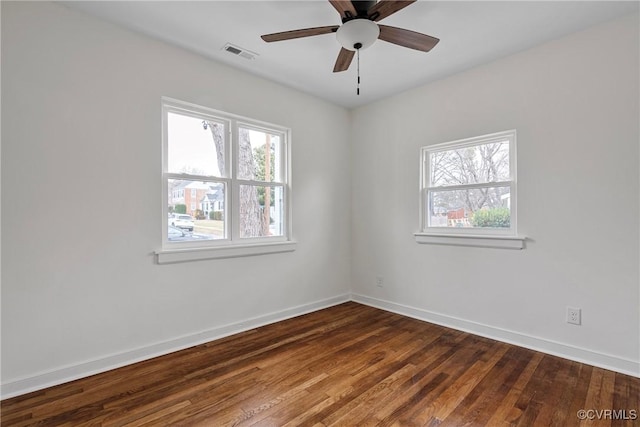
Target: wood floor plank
pixel 551 401
pixel 437 356
pixel 450 398
pixel 478 405
pixel 600 396
pixel 348 365
pixel 581 389
pixel 361 410
pixel 626 398
pixel 504 414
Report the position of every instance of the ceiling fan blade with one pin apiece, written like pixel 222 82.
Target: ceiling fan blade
pixel 294 34
pixel 407 38
pixel 384 8
pixel 344 60
pixel 344 6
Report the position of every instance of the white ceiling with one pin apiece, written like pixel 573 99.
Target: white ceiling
pixel 470 32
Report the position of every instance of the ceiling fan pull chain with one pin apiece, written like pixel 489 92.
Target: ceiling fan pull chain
pixel 358 59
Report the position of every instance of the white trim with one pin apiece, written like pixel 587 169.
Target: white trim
pixel 103 364
pixel 168 256
pixel 426 188
pixel 471 142
pixel 479 241
pixel 232 245
pixel 81 370
pixel 494 184
pixel 566 351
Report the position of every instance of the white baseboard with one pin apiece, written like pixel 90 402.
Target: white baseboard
pixel 92 367
pixel 73 372
pixel 566 351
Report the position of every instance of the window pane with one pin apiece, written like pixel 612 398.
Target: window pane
pixel 260 156
pixel 255 219
pixel 470 165
pixel 476 208
pixel 195 146
pixel 196 210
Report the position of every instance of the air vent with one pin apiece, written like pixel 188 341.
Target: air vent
pixel 236 50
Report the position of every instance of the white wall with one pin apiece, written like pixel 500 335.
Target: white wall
pixel 81 200
pixel 574 104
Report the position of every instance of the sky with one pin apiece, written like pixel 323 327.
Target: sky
pixel 191 146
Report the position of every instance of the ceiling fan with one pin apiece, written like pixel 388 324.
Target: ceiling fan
pixel 359 29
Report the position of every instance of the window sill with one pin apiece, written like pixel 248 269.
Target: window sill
pixel 473 240
pixel 169 256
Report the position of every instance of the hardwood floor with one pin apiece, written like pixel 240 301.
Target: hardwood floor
pixel 348 365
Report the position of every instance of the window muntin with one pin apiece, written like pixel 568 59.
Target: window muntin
pixel 468 186
pixel 228 173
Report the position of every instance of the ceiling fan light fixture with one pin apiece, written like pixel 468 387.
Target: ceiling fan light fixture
pixel 356 32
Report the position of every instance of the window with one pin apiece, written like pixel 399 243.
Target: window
pixel 229 176
pixel 468 187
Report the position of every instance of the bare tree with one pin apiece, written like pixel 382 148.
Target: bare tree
pixel 217 133
pixel 267 191
pixel 480 164
pixel 250 218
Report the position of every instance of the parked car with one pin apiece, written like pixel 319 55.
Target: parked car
pixel 182 221
pixel 175 234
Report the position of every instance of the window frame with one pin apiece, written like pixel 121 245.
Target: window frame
pixel 232 244
pixel 426 188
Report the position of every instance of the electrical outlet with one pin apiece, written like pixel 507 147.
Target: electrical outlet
pixel 574 315
pixel 379 281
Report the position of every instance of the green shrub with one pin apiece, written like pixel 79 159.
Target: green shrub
pixel 492 218
pixel 181 209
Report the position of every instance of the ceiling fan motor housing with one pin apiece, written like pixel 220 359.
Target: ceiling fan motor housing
pixel 358 34
pixel 362 6
pixel 359 29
